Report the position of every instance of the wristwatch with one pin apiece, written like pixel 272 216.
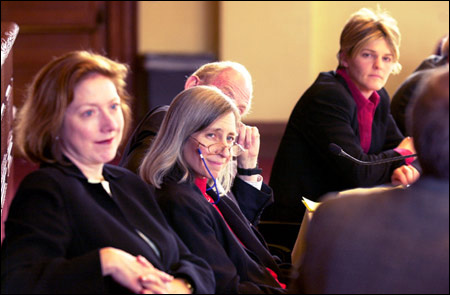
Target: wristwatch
pixel 249 172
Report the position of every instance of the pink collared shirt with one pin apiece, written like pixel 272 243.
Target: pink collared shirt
pixel 365 110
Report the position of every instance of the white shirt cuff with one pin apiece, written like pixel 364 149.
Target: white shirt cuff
pixel 257 185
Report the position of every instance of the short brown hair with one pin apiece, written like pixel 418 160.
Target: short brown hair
pixel 365 26
pixel 40 119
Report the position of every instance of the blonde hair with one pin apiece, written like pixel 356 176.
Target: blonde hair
pixel 40 119
pixel 365 26
pixel 192 110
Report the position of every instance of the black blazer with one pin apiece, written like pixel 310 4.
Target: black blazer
pixel 304 166
pixel 403 95
pixel 393 242
pixel 58 222
pixel 197 222
pixel 141 138
pixel 251 201
pixel 402 98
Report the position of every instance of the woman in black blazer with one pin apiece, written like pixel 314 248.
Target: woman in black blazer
pixel 78 225
pixel 189 157
pixel 348 107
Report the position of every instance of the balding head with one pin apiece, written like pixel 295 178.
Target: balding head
pixel 231 78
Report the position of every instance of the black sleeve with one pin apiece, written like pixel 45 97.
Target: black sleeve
pixel 34 253
pixel 206 237
pixel 401 100
pixel 194 269
pixel 141 139
pixel 252 201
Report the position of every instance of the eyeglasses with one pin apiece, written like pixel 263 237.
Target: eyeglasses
pixel 216 148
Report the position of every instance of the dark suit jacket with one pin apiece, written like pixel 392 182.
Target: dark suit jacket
pixel 402 97
pixel 58 222
pixel 392 242
pixel 141 138
pixel 404 94
pixel 251 201
pixel 197 222
pixel 304 166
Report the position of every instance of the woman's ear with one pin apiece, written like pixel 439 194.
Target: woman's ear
pixel 343 59
pixel 192 81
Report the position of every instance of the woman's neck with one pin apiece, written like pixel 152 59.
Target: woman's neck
pixel 344 73
pixel 91 171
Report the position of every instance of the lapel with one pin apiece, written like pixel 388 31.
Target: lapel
pixel 245 232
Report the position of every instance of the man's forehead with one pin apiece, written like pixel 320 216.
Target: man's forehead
pixel 232 81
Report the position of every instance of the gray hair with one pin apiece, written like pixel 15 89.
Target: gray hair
pixel 192 110
pixel 210 71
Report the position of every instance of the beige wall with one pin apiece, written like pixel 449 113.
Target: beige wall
pixel 177 26
pixel 283 44
pixel 421 24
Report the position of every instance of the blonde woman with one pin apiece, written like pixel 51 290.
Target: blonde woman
pixel 348 107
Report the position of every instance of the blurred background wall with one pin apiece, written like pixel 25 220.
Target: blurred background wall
pixel 284 44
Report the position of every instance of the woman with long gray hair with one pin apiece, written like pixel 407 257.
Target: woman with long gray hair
pixel 190 155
